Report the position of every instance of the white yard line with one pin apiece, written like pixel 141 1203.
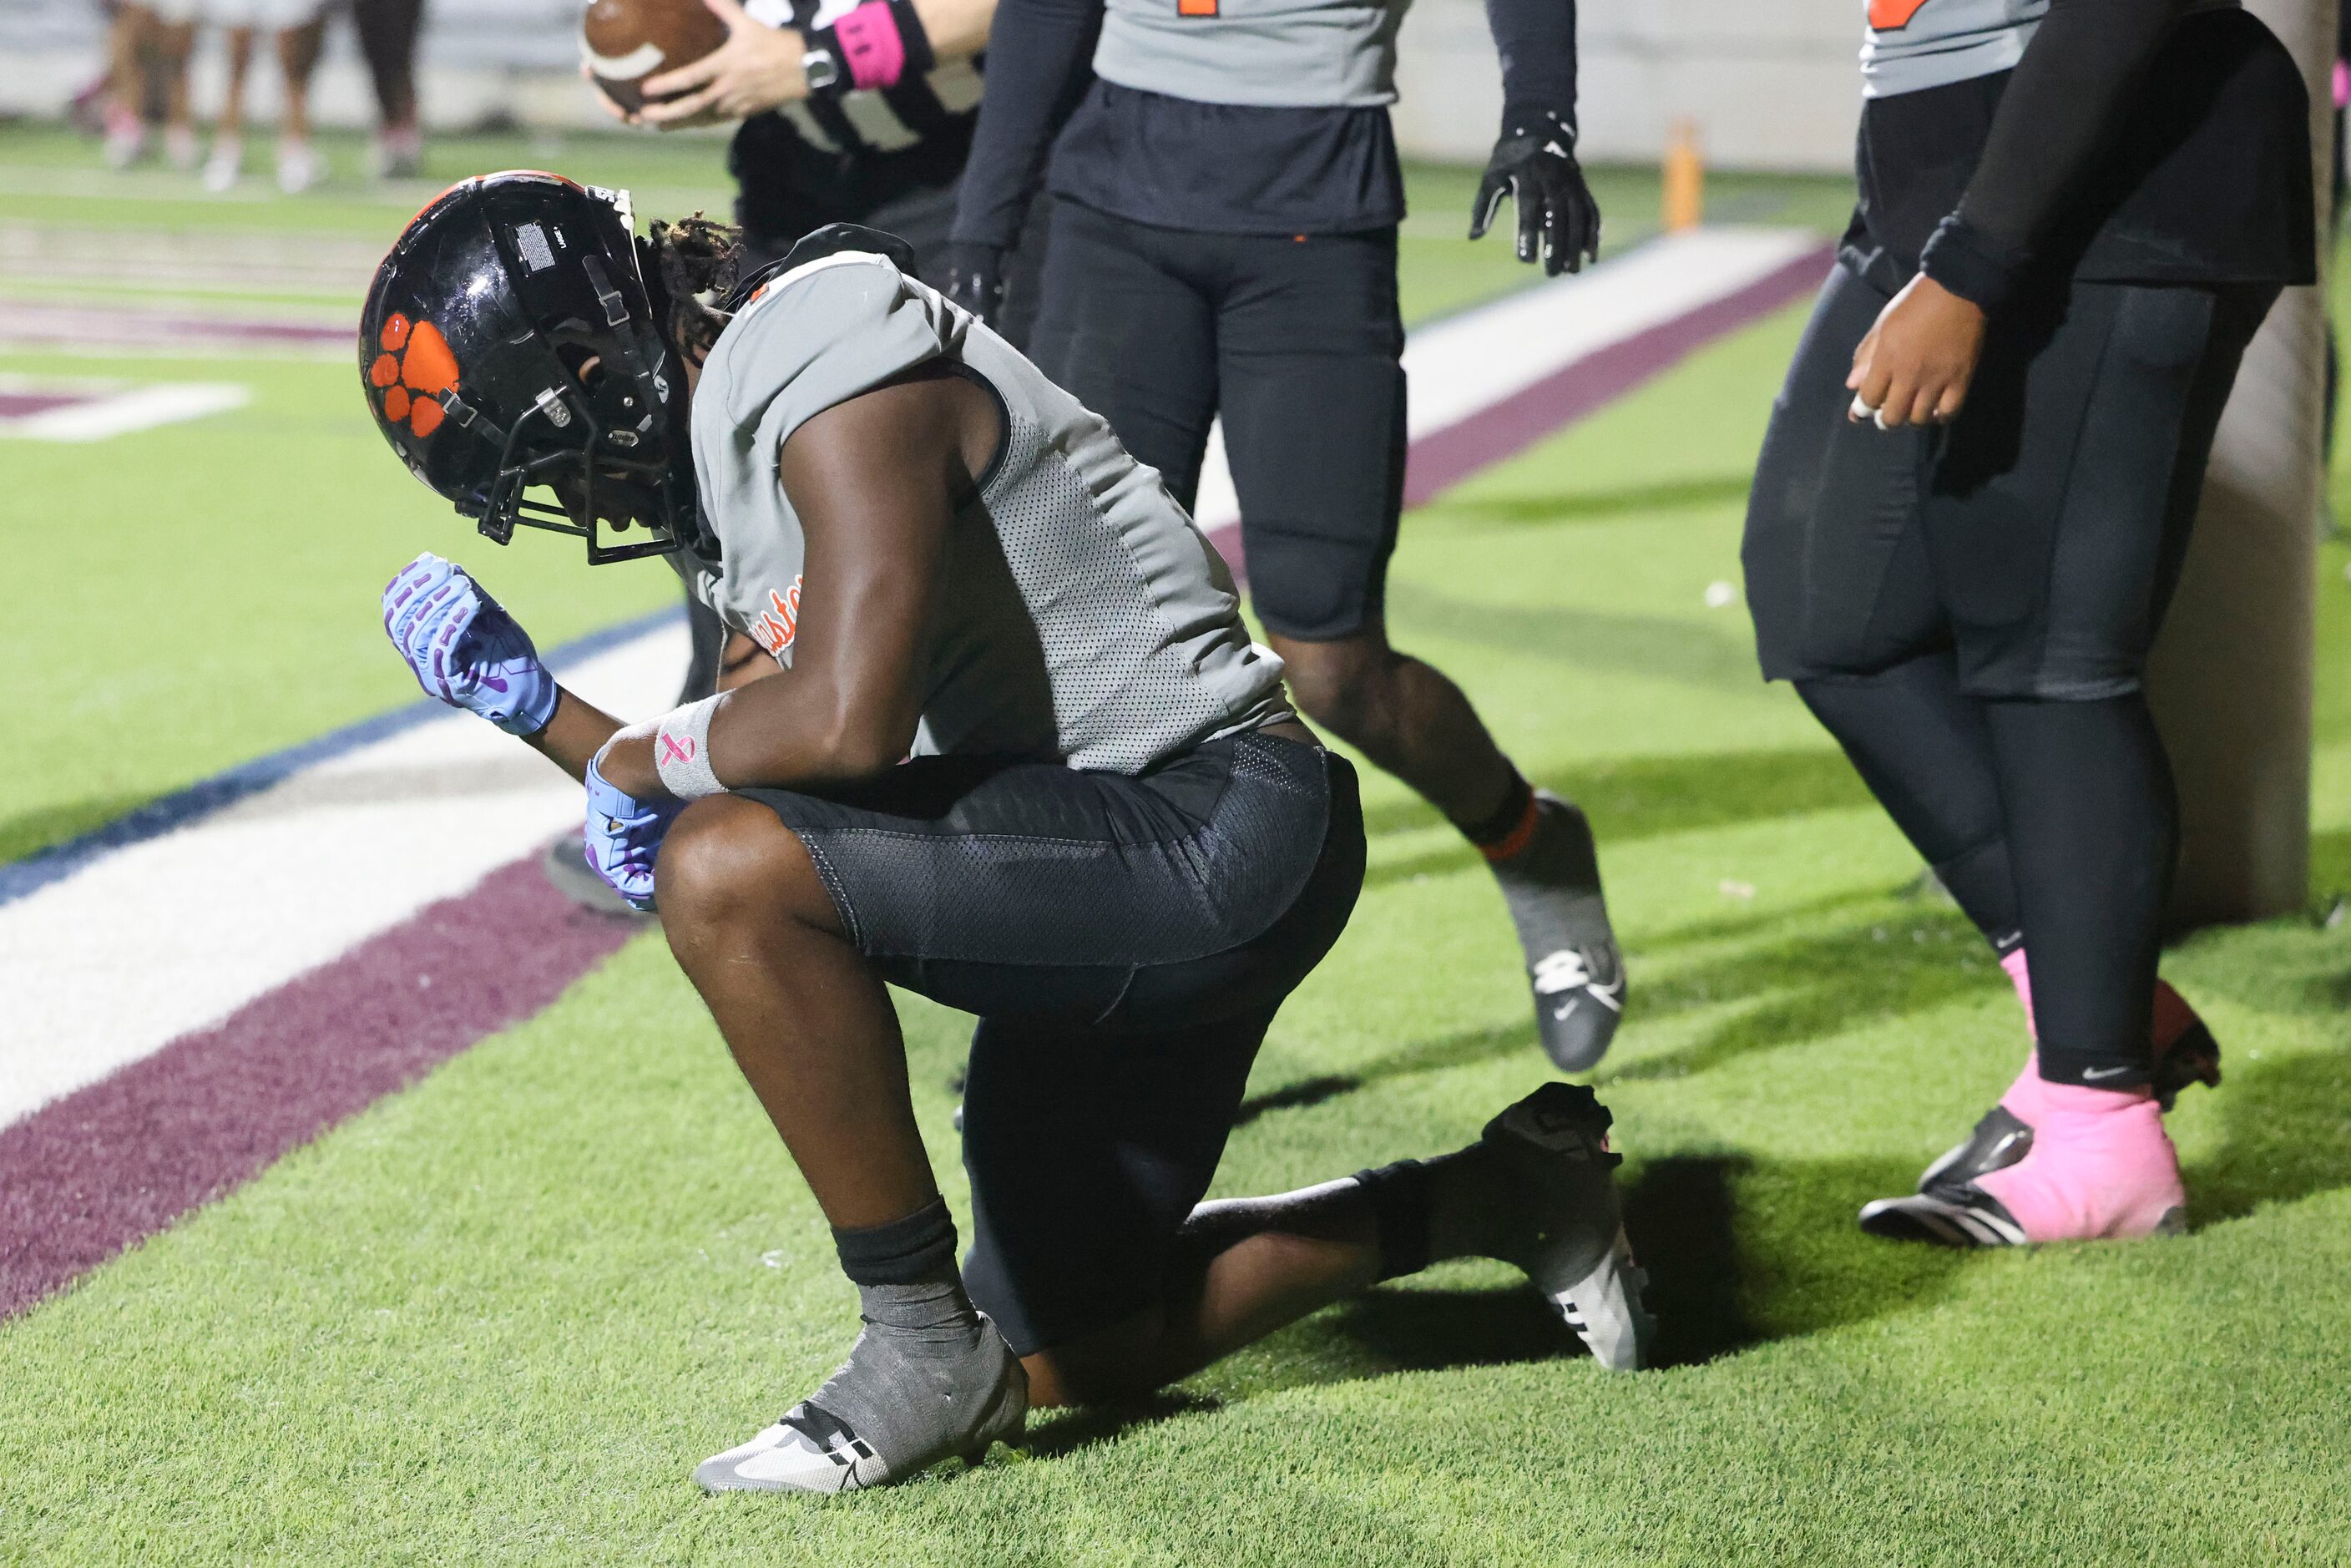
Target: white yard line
pixel 1462 365
pixel 155 940
pixel 145 331
pixel 120 412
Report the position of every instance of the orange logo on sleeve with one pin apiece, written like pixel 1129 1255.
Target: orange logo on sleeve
pixel 1892 15
pixel 414 368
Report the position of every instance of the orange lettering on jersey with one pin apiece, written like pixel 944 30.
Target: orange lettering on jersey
pixel 1196 7
pixel 1892 15
pixel 779 622
pixel 415 366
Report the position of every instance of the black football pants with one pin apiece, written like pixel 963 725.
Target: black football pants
pixel 1967 611
pixel 1297 341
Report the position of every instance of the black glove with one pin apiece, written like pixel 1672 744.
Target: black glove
pixel 1534 164
pixel 974 278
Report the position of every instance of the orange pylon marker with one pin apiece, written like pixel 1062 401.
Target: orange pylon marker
pixel 1684 177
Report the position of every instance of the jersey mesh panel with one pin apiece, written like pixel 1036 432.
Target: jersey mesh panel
pixel 1122 699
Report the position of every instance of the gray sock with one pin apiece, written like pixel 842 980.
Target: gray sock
pixel 928 1378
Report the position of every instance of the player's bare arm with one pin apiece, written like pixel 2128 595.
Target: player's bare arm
pixel 876 482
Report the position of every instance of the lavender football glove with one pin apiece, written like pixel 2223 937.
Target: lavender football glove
pixel 624 835
pixel 464 649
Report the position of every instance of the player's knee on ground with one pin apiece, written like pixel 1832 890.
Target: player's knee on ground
pixel 729 858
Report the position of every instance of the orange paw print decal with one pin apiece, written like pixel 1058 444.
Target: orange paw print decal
pixel 414 369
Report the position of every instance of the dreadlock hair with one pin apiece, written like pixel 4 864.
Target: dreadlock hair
pixel 694 260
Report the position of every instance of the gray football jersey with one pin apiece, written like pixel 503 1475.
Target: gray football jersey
pixel 1086 619
pixel 1912 45
pixel 1320 54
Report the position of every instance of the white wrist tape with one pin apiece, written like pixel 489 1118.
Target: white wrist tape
pixel 682 752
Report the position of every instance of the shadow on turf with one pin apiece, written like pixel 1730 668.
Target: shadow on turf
pixel 1577 506
pixel 1051 1437
pixel 1655 647
pixel 1636 798
pixel 2288 1136
pixel 1462 1049
pixel 1804 987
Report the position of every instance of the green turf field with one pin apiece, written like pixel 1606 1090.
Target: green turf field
pixel 499 1317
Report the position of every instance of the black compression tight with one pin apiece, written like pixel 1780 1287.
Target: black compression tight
pixel 2053 818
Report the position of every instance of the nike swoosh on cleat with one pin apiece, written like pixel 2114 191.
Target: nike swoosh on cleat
pixel 2096 1072
pixel 1560 1015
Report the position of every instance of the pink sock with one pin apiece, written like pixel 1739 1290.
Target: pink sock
pixel 2022 1100
pixel 2019 974
pixel 2101 1167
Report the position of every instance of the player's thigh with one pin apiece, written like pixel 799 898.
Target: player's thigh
pixel 1126 331
pixel 1309 352
pixel 1066 898
pixel 1837 579
pixel 1086 1151
pixel 2055 518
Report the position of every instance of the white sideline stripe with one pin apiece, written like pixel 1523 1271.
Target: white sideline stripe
pixel 148 943
pixel 122 412
pixel 1462 365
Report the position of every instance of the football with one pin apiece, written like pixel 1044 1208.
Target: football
pixel 625 41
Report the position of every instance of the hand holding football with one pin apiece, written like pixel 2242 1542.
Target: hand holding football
pixel 622 42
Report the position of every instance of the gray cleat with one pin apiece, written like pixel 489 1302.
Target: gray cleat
pixel 1554 1143
pixel 1552 888
pixel 565 866
pixel 928 1406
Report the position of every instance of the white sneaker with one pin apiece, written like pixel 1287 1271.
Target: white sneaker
pixel 299 167
pixel 227 161
pixel 125 145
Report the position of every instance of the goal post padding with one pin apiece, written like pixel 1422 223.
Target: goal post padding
pixel 2232 675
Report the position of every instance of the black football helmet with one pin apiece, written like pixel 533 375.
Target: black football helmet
pixel 509 343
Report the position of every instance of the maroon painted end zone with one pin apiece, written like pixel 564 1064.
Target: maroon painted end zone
pixel 86 1177
pixel 1444 458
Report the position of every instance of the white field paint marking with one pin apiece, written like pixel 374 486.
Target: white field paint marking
pixel 153 941
pixel 1459 367
pixel 117 412
pixel 121 331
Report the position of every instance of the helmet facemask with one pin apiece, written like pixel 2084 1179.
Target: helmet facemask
pixel 560 406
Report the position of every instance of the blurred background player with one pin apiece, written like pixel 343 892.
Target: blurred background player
pixel 147 61
pixel 1223 241
pixel 388 31
pixel 297 29
pixel 1971 509
pixel 874 813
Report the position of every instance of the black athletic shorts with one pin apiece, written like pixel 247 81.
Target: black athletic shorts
pixel 2039 536
pixel 1125 942
pixel 1297 341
